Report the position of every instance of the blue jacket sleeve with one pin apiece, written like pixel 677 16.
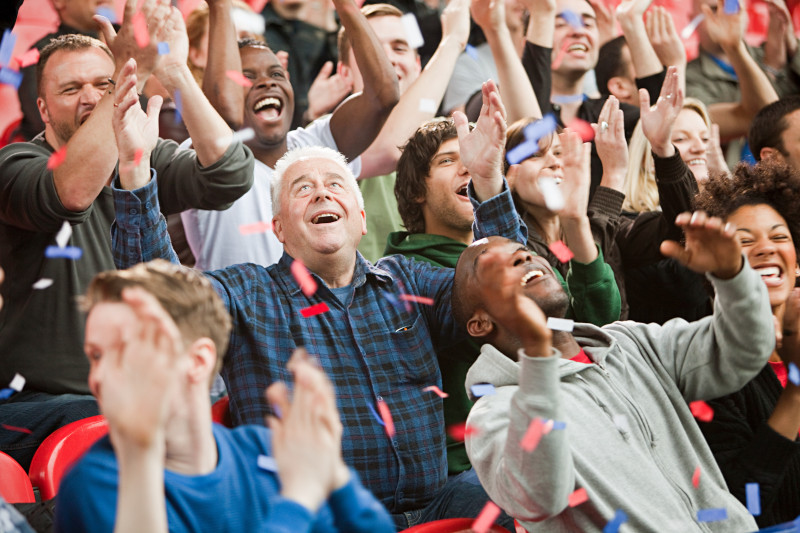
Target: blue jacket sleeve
pixel 497 216
pixel 355 509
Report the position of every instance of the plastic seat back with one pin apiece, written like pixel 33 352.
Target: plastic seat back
pixel 220 412
pixel 15 487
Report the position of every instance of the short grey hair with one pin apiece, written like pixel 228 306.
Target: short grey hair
pixel 304 153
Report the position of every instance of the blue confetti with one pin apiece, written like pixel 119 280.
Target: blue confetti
pixel 472 52
pixel 163 48
pixel 67 252
pixel 619 518
pixel 375 414
pixel 794 374
pixel 276 410
pixel 107 12
pixel 731 7
pixel 6 393
pixel 265 462
pixel 10 77
pixel 572 18
pixel 569 98
pixel 482 389
pixel 7 47
pixel 178 106
pixel 559 424
pixel 753 498
pixel 712 515
pixel 521 152
pixel 544 126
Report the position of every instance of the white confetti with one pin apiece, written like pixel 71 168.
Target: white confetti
pixel 690 28
pixel 413 33
pixel 553 198
pixel 43 283
pixel 63 235
pixel 560 324
pixel 247 21
pixel 243 135
pixel 426 105
pixel 17 383
pixel 265 462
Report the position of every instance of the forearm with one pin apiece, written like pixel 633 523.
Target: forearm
pixel 643 55
pixel 224 94
pixel 541 27
pixel 140 504
pixel 578 236
pixel 515 89
pixel 594 294
pixel 785 418
pixel 756 89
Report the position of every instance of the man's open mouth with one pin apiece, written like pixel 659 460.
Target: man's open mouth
pixel 531 275
pixel 462 191
pixel 268 108
pixel 325 218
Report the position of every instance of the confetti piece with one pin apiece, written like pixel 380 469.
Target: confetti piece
pixel 68 252
pixel 375 414
pixel 439 392
pixel 521 152
pixel 561 251
pixel 472 52
pixel 426 105
pixel 486 518
pixel 561 53
pixel 276 410
pixel 248 21
pixel 140 32
pixel 542 127
pixel 418 299
pixel 255 227
pixel 265 462
pixel 461 431
pixel 31 57
pixel 387 418
pixel 619 518
pixel 572 18
pixel 560 324
pixel 712 515
pixel 583 128
pixel 258 5
pixel 15 428
pixel 315 309
pixel 553 199
pixel 518 528
pixel 303 278
pixel 731 7
pixel 794 374
pixel 753 494
pixel 482 389
pixel 178 99
pixel 163 48
pixel 621 421
pixel 554 425
pixel 243 135
pixel 413 33
pixel 239 78
pixel 17 383
pixel 6 393
pixel 63 235
pixel 56 158
pixel 690 28
pixel 10 77
pixel 532 435
pixel 7 47
pixel 578 497
pixel 702 411
pixel 568 98
pixel 107 12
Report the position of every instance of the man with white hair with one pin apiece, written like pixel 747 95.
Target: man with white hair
pixel 374 327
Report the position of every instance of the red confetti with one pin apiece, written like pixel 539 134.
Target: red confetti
pixel 419 299
pixel 437 390
pixel 57 158
pixel 31 57
pixel 486 518
pixel 560 56
pixel 388 423
pixel 137 157
pixel 258 5
pixel 255 227
pixel 316 309
pixel 239 78
pixel 303 278
pixel 561 251
pixel 15 428
pixel 582 128
pixel 702 411
pixel 140 32
pixel 696 477
pixel 461 431
pixel 518 528
pixel 578 497
pixel 533 435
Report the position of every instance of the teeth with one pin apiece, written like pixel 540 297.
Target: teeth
pixel 697 162
pixel 270 101
pixel 577 47
pixel 769 271
pixel 531 275
pixel 462 191
pixel 332 216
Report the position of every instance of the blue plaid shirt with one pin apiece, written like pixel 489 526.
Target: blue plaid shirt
pixel 372 346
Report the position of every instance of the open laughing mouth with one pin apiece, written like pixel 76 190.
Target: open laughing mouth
pixel 268 108
pixel 530 276
pixel 772 276
pixel 325 218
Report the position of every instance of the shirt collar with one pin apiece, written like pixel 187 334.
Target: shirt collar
pixel 363 268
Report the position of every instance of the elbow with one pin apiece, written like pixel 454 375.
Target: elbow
pixel 388 95
pixel 74 201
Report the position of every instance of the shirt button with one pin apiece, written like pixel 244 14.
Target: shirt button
pixel 133 211
pixel 147 206
pixel 395 443
pixel 380 398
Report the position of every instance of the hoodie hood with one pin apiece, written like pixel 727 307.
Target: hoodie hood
pixel 434 249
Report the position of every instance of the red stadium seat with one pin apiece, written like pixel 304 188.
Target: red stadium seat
pixel 62 448
pixel 451 525
pixel 220 412
pixel 16 487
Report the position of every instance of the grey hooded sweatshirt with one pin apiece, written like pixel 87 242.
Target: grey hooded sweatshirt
pixel 630 439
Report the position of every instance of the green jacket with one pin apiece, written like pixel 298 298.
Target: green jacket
pixel 593 295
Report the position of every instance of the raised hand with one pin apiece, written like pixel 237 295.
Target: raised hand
pixel 781 43
pixel 657 122
pixel 714 156
pixel 609 139
pixel 482 148
pixel 725 29
pixel 576 160
pixel 711 245
pixel 169 28
pixel 606 21
pixel 488 14
pixel 455 21
pixel 664 37
pixel 326 92
pixel 632 9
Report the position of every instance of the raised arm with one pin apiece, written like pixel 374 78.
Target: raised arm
pixel 356 123
pixel 781 43
pixel 541 28
pixel 224 94
pixel 382 155
pixel 515 88
pixel 666 42
pixel 630 14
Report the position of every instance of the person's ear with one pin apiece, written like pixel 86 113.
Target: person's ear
pixel 363 222
pixel 480 324
pixel 277 229
pixel 620 87
pixel 768 152
pixel 40 103
pixel 203 359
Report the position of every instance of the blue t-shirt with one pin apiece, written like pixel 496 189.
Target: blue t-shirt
pixel 237 496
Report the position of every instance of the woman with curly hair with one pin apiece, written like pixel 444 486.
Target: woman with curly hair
pixel 754 432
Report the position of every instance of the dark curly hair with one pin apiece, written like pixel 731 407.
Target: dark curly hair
pixel 770 182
